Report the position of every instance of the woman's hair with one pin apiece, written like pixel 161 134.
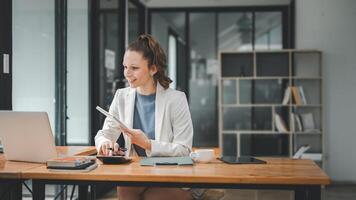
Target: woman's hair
pixel 152 51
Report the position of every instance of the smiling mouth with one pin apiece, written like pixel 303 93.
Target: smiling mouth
pixel 132 81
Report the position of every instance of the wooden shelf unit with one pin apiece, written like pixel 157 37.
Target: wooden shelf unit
pixel 252 87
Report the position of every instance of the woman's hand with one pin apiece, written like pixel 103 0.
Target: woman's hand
pixel 138 137
pixel 110 149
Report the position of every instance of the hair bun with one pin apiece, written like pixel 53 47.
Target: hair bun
pixel 144 37
pixel 154 54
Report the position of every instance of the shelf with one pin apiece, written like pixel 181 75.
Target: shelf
pixel 313 140
pixel 255 78
pixel 272 64
pixel 260 132
pixel 251 131
pixel 306 51
pixel 311 78
pixel 229 145
pixel 306 64
pixel 262 91
pixel 267 132
pixel 251 99
pixel 229 132
pixel 269 77
pixel 264 144
pixel 269 105
pixel 254 105
pixel 308 133
pixel 306 105
pixel 274 51
pixel 246 118
pixel 240 64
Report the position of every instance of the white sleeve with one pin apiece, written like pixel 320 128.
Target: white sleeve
pixel 182 127
pixel 110 130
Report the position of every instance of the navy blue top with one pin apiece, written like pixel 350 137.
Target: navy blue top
pixel 144 117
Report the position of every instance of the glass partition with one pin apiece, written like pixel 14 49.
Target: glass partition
pixel 169 29
pixel 133 22
pixel 235 31
pixel 77 72
pixel 203 79
pixel 109 51
pixel 33 57
pixel 268 30
pixel 210 32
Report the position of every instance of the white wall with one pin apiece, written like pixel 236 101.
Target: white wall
pixel 329 25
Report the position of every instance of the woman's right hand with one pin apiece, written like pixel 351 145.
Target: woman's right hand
pixel 110 149
pixel 105 148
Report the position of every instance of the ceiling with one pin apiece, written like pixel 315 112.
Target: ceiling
pixel 211 3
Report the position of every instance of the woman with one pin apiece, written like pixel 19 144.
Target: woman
pixel 159 116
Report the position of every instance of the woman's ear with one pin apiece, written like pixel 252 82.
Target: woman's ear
pixel 153 70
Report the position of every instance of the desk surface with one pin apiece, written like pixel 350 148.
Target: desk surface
pixel 13 169
pixel 76 150
pixel 277 171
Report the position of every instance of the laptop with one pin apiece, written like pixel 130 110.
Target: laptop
pixel 26 136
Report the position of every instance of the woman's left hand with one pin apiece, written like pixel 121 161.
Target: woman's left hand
pixel 138 137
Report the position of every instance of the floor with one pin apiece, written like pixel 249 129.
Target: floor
pixel 332 192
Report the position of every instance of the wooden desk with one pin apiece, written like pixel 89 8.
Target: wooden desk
pixel 302 176
pixel 76 150
pixel 11 171
pixel 10 177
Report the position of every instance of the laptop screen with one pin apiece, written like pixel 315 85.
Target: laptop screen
pixel 26 136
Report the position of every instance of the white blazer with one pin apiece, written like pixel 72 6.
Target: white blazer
pixel 173 123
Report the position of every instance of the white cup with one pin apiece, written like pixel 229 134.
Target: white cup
pixel 203 155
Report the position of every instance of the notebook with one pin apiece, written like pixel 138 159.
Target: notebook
pixel 153 161
pixel 27 136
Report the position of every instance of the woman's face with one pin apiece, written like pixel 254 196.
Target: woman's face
pixel 136 70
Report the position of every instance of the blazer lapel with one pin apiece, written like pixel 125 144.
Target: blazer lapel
pixel 130 107
pixel 159 110
pixel 129 112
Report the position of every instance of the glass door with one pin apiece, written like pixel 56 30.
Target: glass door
pixel 203 78
pixel 77 73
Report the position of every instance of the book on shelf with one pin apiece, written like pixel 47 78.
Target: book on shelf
pixel 307 121
pixel 298 154
pixel 295 122
pixel 295 92
pixel 302 95
pixel 296 95
pixel 280 124
pixel 287 94
pixel 298 122
pixel 70 161
pixel 292 125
